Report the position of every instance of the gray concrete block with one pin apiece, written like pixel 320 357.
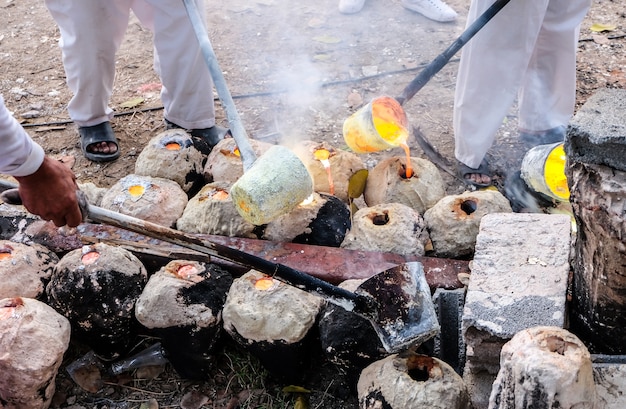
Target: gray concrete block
pixel 519 280
pixel 597 133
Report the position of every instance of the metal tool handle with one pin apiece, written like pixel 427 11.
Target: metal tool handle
pixel 234 121
pixel 442 59
pixel 286 274
pixel 291 276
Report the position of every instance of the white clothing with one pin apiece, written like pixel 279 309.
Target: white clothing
pixel 528 50
pixel 20 156
pixel 91 34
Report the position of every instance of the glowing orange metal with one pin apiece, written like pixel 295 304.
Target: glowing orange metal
pixel 136 190
pixel 407 151
pixel 172 146
pixel 264 283
pixel 323 155
pixel 90 258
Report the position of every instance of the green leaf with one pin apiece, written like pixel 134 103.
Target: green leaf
pixel 356 184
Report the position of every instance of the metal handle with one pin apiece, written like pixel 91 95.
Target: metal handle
pixel 234 121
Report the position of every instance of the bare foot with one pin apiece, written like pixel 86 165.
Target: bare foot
pixel 478 178
pixel 102 147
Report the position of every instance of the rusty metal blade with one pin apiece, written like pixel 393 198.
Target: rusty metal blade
pixel 406 314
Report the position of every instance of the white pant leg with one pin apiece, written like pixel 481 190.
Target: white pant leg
pixel 91 33
pixel 548 95
pixel 187 92
pixel 491 72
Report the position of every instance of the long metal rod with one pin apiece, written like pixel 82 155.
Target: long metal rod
pixel 234 120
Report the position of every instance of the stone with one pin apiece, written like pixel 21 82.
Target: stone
pixel 391 227
pixel 544 367
pixel 25 269
pixel 449 345
pixel 33 339
pixel 596 172
pixel 453 222
pixel 171 155
pixel 387 183
pixel 597 133
pixel 341 165
pixel 411 381
pixel 157 200
pixel 211 211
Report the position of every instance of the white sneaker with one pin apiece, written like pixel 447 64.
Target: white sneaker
pixel 350 6
pixel 433 9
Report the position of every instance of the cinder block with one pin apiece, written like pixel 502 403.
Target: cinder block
pixel 519 280
pixel 597 133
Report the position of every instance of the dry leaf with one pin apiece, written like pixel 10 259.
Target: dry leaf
pixel 598 27
pixel 598 39
pixel 132 103
pixel 193 400
pixel 149 404
pixel 327 39
pixel 316 22
pixel 321 57
pixel 149 87
pixel 354 99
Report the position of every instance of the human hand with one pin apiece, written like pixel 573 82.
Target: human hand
pixel 50 193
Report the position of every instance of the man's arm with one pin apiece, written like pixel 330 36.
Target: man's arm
pixel 47 187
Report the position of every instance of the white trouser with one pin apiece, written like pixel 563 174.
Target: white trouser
pixel 528 50
pixel 91 34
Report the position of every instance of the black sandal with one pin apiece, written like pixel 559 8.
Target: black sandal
pixel 464 171
pixel 90 135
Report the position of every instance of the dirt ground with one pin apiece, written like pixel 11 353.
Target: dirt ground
pixel 296 70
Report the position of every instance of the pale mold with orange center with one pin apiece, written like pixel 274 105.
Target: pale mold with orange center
pixel 172 155
pixel 224 162
pixel 33 340
pixel 273 321
pixel 153 199
pixel 182 304
pixel 112 279
pixel 211 211
pixel 25 269
pixel 331 168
